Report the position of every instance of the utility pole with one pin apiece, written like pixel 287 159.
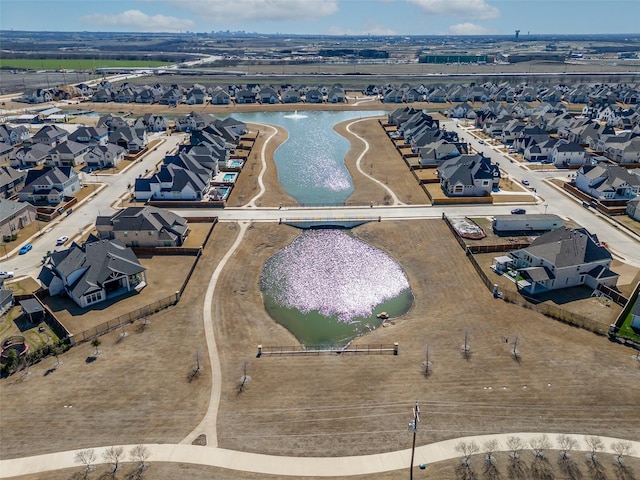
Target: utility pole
pixel 413 425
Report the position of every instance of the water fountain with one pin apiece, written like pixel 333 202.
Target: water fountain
pixel 295 115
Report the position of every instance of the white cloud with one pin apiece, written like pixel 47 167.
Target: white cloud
pixel 367 29
pixel 468 29
pixel 238 10
pixel 137 20
pixel 473 9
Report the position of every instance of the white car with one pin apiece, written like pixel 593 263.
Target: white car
pixel 6 274
pixel 62 240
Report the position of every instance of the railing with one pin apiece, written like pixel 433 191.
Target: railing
pixel 374 349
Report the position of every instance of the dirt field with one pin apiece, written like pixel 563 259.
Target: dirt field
pixel 567 380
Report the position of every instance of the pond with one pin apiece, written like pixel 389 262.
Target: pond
pixel 311 162
pixel 327 287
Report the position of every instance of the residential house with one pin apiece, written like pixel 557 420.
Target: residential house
pixel 607 182
pixel 268 95
pixel 291 95
pixel 633 210
pixel 49 185
pixel 412 95
pixel 11 181
pixel 30 156
pixel 192 122
pixel 147 96
pixel 314 95
pixel 220 97
pixel 134 140
pixel 462 110
pixel 6 152
pixel 540 152
pixel 144 227
pixel 172 97
pixel 568 154
pixel 94 272
pixel 13 135
pixel 125 95
pixel 112 122
pixel 196 96
pixel 336 95
pixel 90 135
pixel 102 95
pixel 67 154
pixel 245 96
pixel 436 152
pixel 51 135
pixel 151 123
pixel 38 95
pixel 14 216
pixel 172 183
pixel 563 258
pixel 438 95
pixel 104 156
pixel 468 176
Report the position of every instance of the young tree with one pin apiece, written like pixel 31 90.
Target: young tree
pixel 466 348
pixel 86 458
pixel 539 445
pixel 566 444
pixel 113 455
pixel 515 445
pixel 467 449
pixel 57 350
pixel 244 378
pixel 140 454
pixel 490 468
pixel 427 363
pixel 96 343
pixel 621 449
pixel 595 445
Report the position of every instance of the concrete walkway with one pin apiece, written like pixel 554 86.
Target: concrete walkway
pixel 294 466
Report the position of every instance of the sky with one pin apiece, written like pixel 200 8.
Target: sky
pixel 326 17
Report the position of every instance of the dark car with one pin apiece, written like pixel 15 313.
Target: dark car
pixel 518 211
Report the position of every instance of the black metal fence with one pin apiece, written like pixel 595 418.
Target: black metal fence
pixel 369 349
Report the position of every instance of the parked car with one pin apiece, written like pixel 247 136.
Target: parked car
pixel 525 183
pixel 6 274
pixel 481 142
pixel 518 211
pixel 25 248
pixel 62 240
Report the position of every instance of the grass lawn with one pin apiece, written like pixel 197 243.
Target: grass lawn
pixel 73 63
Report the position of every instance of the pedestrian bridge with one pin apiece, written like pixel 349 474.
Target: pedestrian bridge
pixel 328 222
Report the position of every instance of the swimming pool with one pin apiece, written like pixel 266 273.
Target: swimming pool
pixel 235 163
pixel 229 177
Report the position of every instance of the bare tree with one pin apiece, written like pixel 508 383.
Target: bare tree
pixel 566 444
pixel 427 363
pixel 86 458
pixel 466 348
pixel 140 454
pixel 467 449
pixel 621 448
pixel 113 455
pixel 514 351
pixel 244 379
pixel 490 468
pixel 595 445
pixel 195 372
pixel 539 445
pixel 515 445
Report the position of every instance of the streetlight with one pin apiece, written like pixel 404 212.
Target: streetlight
pixel 413 425
pixel 545 208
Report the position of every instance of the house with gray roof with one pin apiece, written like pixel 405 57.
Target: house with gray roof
pixel 134 140
pixel 151 123
pixel 11 181
pixel 104 156
pixel 568 154
pixel 220 96
pixel 468 176
pixel 633 208
pixel 90 135
pixel 67 154
pixel 607 182
pixel 144 227
pixel 13 135
pixel 51 135
pixel 49 185
pixel 94 272
pixel 14 216
pixel 30 156
pixel 563 258
pixel 173 183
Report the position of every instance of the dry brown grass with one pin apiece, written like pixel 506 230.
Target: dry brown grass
pixel 137 389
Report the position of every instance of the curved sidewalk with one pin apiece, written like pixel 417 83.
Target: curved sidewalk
pixel 291 466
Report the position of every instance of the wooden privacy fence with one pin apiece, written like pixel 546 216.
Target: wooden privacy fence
pixel 374 349
pixel 126 319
